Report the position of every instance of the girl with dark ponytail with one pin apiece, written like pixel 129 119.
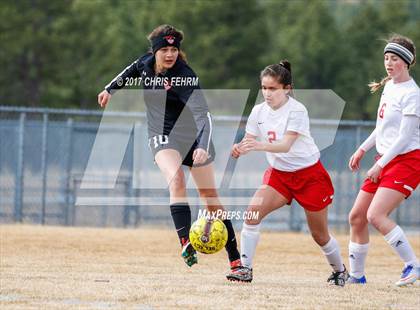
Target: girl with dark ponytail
pixel 282 125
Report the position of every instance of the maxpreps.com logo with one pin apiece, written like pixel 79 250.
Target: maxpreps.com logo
pixel 170 39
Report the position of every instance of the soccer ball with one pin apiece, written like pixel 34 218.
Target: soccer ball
pixel 208 236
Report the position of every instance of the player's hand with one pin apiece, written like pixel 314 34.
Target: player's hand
pixel 200 156
pixel 374 172
pixel 236 151
pixel 103 98
pixel 354 162
pixel 251 144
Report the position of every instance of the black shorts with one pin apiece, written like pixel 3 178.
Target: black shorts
pixel 184 148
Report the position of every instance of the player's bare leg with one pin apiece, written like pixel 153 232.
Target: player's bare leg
pixel 359 237
pixel 266 199
pixel 318 225
pixel 169 162
pixel 384 202
pixel 204 179
pixel 359 232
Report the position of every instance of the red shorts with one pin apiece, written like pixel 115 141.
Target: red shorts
pixel 402 174
pixel 311 187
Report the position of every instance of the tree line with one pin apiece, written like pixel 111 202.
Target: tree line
pixel 62 53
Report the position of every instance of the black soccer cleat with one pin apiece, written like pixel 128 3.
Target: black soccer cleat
pixel 189 254
pixel 240 274
pixel 338 278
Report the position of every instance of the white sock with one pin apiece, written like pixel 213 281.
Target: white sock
pixel 332 253
pixel 357 258
pixel 398 241
pixel 250 235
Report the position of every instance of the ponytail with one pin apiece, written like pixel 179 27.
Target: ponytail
pixel 286 64
pixel 374 86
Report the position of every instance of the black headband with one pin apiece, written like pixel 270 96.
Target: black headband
pixel 163 41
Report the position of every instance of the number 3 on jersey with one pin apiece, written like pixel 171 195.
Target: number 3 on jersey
pixel 271 136
pixel 382 110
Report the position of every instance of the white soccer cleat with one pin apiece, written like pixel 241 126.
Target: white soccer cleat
pixel 409 275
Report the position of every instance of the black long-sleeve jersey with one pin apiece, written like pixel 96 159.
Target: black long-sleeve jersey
pixel 172 106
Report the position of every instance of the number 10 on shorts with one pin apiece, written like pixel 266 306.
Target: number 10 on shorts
pixel 158 140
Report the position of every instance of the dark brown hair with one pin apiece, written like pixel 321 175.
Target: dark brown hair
pixel 168 30
pixel 281 72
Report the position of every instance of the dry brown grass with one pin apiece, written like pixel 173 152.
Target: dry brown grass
pixel 86 268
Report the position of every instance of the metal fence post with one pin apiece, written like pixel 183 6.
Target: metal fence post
pixel 138 151
pixel 44 160
pixel 128 184
pixel 69 152
pixel 358 142
pixel 19 170
pixel 295 223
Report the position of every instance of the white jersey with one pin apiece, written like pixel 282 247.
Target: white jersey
pixel 397 100
pixel 270 125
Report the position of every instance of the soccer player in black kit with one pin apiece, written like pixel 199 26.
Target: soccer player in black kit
pixel 179 129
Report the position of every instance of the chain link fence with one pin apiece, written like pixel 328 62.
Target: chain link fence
pixel 44 154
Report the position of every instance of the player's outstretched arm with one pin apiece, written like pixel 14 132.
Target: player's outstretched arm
pixel 103 98
pixel 282 146
pixel 238 150
pixel 131 71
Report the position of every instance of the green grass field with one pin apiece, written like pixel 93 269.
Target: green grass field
pixel 88 268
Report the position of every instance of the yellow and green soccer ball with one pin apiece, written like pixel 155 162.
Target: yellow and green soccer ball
pixel 208 236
